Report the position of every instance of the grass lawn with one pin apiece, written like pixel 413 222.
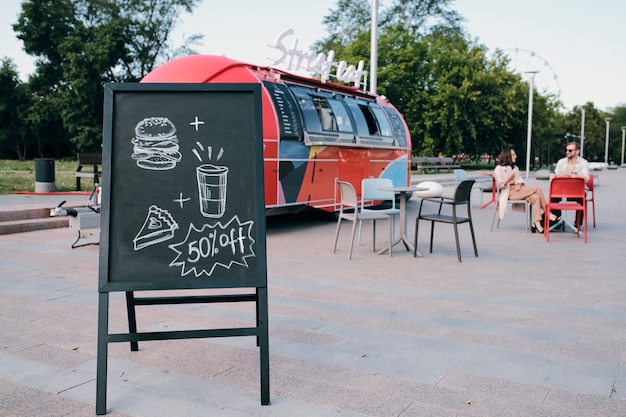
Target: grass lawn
pixel 20 176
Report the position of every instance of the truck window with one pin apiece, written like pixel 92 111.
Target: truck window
pixel 332 114
pixel 370 119
pixel 384 128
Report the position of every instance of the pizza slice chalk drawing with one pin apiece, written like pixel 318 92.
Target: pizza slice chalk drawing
pixel 158 227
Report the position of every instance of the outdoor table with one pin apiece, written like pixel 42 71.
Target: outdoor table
pixel 402 191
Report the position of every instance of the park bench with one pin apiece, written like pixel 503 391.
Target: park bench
pixel 93 160
pixel 434 163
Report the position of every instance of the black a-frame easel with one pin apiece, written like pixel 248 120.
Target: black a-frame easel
pixel 182 209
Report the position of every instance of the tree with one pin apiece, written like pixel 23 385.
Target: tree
pixel 46 126
pixel 422 16
pixel 453 97
pixel 618 115
pixel 81 44
pixel 352 18
pixel 547 123
pixel 595 128
pixel 474 104
pixel 345 24
pixel 14 101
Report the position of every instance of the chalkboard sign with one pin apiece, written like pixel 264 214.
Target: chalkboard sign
pixel 183 203
pixel 182 207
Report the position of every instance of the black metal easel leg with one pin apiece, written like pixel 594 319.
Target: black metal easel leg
pixel 258 315
pixel 101 368
pixel 132 318
pixel 263 336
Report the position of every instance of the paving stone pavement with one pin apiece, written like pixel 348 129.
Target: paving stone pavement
pixel 528 328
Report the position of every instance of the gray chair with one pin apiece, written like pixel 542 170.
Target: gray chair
pixel 461 175
pixel 527 211
pixel 461 197
pixel 349 210
pixel 370 192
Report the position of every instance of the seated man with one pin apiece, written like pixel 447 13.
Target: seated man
pixel 573 165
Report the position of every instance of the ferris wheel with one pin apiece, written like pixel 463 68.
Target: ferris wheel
pixel 524 62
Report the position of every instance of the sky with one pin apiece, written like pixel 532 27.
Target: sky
pixel 576 46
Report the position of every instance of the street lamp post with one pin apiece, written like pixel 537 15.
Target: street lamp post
pixel 374 48
pixel 606 144
pixel 623 136
pixel 582 132
pixel 530 119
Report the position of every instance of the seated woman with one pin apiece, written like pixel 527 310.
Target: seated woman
pixel 512 187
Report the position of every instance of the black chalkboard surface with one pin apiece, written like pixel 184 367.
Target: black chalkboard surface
pixel 183 203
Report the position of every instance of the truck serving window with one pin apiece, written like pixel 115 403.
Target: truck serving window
pixel 326 120
pixel 333 115
pixel 372 122
pixel 384 128
pixel 337 118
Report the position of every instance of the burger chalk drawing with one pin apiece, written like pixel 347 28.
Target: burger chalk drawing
pixel 156 144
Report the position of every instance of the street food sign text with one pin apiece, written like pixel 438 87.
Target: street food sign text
pixel 318 63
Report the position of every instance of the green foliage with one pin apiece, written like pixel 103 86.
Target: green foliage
pixel 421 16
pixel 81 44
pixel 454 98
pixel 594 145
pixel 345 24
pixel 14 102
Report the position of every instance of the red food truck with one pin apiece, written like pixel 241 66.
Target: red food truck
pixel 314 133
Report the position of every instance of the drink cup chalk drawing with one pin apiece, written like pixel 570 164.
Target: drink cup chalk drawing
pixel 212 189
pixel 212 180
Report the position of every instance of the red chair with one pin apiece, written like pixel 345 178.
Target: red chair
pixel 591 197
pixel 567 188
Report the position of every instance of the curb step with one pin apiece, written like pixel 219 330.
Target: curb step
pixel 29 225
pixel 26 214
pixel 28 220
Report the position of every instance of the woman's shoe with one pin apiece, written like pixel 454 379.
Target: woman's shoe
pixel 553 219
pixel 537 228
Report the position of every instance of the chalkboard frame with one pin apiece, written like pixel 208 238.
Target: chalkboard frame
pixel 251 248
pixel 251 94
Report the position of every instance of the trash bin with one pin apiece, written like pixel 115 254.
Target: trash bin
pixel 44 175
